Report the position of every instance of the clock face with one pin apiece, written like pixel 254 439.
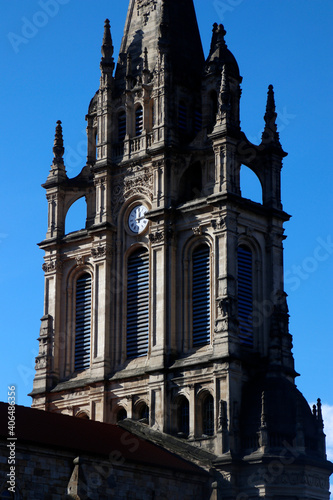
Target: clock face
pixel 136 219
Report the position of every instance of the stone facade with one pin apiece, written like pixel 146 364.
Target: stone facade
pixel 199 273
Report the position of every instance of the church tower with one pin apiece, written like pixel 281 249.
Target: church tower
pixel 168 307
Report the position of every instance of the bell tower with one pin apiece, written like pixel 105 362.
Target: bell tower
pixel 168 307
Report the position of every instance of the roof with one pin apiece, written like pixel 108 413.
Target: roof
pixel 53 430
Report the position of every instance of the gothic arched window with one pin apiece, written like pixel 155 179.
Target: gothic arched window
pixel 138 120
pixel 183 416
pixel 208 415
pixel 82 322
pixel 137 304
pixel 201 295
pixel 121 126
pixel 245 294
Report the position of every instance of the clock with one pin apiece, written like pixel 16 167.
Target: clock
pixel 137 221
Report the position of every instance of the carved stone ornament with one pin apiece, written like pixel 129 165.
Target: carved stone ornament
pixel 52 266
pixel 197 230
pixel 99 251
pixel 79 260
pixel 136 179
pixel 219 223
pixel 221 325
pixel 157 237
pixel 145 7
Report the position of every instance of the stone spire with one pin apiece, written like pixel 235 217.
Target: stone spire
pixel 270 134
pixel 58 146
pixel 220 55
pixel 224 96
pixel 160 26
pixel 58 172
pixel 107 60
pixel 223 117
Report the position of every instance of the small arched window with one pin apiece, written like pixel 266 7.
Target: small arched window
pixel 137 304
pixel 245 294
pixel 138 120
pixel 201 295
pixel 121 415
pixel 83 415
pixel 82 322
pixel 208 415
pixel 121 126
pixel 143 412
pixel 183 416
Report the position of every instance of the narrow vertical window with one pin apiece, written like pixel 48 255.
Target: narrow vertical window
pixel 183 417
pixel 137 304
pixel 143 412
pixel 121 126
pixel 83 322
pixel 197 121
pixel 182 116
pixel 138 120
pixel 245 295
pixel 208 416
pixel 201 295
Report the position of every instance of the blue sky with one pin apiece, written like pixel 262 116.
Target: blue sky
pixel 50 53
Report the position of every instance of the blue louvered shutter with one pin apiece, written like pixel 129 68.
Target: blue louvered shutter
pixel 201 295
pixel 121 126
pixel 138 121
pixel 245 295
pixel 83 322
pixel 137 304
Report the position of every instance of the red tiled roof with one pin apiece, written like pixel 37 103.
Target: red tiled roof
pixel 88 437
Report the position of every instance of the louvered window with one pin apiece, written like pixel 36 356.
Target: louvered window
pixel 182 116
pixel 183 416
pixel 197 121
pixel 208 416
pixel 201 295
pixel 138 121
pixel 83 322
pixel 137 304
pixel 245 295
pixel 121 126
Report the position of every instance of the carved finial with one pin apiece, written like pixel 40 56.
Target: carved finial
pixel 221 32
pixel 223 113
pixel 225 87
pixel 58 147
pixel 314 411
pixel 270 134
pixel 107 47
pixel 319 414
